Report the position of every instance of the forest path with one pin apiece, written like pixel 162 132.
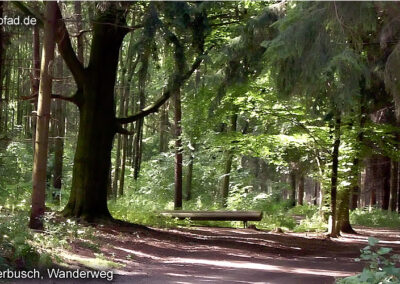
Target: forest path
pixel 225 255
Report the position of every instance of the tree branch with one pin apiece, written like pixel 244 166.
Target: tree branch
pixel 165 96
pixel 123 131
pixel 27 11
pixel 67 52
pixel 34 97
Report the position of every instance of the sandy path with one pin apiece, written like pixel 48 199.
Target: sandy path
pixel 222 255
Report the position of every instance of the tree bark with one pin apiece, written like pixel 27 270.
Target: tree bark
pixel 92 162
pixel 333 230
pixel 301 189
pixel 164 128
pixel 394 171
pixel 386 170
pixel 178 150
pixel 293 188
pixel 1 67
pixel 42 130
pixel 35 77
pixel 59 127
pixel 189 176
pixel 79 39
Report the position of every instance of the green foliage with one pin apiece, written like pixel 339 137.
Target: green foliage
pixel 381 266
pixel 375 218
pixel 24 249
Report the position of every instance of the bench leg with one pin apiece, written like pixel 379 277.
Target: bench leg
pixel 245 224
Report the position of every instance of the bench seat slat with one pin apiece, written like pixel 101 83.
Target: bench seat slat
pixel 215 215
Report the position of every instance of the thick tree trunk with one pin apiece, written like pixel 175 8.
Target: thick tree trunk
pixel 42 130
pixel 92 162
pixel 333 230
pixel 228 167
pixel 59 133
pixel 301 189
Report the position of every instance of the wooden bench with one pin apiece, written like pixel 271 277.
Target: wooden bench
pixel 244 216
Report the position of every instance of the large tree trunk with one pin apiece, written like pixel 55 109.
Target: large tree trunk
pixel 92 162
pixel 228 167
pixel 333 230
pixel 42 130
pixel 59 133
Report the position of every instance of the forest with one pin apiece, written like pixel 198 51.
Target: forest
pixel 137 138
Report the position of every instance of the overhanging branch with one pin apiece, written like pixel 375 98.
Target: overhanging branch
pixel 165 96
pixel 67 52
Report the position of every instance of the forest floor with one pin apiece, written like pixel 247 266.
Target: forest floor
pixel 224 255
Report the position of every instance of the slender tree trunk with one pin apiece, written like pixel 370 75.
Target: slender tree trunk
pixel 164 128
pixel 59 127
pixel 394 171
pixel 1 67
pixel 386 171
pixel 42 130
pixel 315 199
pixel 117 166
pixel 7 99
pixel 293 188
pixel 228 167
pixel 35 77
pixel 79 39
pixel 333 230
pixel 143 73
pixel 123 163
pixel 189 176
pixel 301 189
pixel 178 150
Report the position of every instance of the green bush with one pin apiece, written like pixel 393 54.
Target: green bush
pixel 381 266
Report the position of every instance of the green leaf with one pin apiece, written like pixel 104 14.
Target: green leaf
pixel 372 241
pixel 383 251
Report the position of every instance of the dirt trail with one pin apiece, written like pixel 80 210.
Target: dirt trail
pixel 223 255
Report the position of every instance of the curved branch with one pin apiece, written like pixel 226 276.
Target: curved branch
pixel 27 11
pixel 165 96
pixel 67 52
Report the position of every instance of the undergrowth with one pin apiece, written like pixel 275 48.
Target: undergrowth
pixel 375 218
